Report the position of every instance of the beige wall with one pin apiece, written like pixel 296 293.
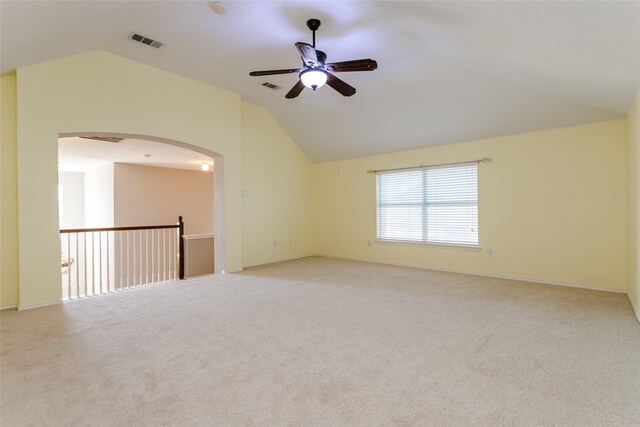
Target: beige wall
pixel 276 176
pixel 98 197
pixel 552 206
pixel 102 92
pixel 199 255
pixel 147 195
pixel 72 206
pixel 8 194
pixel 634 204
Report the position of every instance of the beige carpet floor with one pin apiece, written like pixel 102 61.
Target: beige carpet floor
pixel 326 342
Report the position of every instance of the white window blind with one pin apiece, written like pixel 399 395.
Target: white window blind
pixel 430 204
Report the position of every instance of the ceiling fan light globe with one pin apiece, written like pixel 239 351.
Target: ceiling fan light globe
pixel 313 78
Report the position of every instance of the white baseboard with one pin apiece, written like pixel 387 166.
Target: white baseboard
pixel 636 310
pixel 473 273
pixel 277 260
pixel 31 307
pixel 8 307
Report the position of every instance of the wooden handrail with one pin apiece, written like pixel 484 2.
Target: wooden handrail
pixel 141 227
pixel 181 248
pixel 179 226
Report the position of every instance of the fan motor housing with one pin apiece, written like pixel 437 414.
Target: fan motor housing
pixel 322 57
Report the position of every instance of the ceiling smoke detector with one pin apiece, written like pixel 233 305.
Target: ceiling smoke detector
pixel 218 7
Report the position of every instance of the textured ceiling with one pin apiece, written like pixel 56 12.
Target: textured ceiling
pixel 448 71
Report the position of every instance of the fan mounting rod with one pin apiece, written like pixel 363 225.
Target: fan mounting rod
pixel 313 25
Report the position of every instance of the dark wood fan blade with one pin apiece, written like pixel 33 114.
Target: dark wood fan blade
pixel 308 54
pixel 271 72
pixel 355 65
pixel 344 88
pixel 295 91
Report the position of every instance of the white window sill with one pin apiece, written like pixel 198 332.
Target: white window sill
pixel 474 248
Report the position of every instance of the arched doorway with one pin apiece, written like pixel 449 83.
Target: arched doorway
pixel 122 151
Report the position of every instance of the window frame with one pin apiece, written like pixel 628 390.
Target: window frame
pixel 424 204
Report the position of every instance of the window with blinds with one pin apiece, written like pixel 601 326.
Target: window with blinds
pixel 436 204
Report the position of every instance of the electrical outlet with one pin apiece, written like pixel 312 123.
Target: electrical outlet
pixel 490 252
pixel 289 242
pixel 368 242
pixel 275 243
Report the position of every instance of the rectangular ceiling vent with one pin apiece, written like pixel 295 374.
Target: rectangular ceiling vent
pixel 103 138
pixel 270 86
pixel 145 40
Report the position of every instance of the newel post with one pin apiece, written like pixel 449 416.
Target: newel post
pixel 181 248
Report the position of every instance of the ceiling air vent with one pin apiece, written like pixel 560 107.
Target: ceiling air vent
pixel 144 40
pixel 103 138
pixel 270 86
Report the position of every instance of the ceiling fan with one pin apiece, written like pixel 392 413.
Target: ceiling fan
pixel 315 71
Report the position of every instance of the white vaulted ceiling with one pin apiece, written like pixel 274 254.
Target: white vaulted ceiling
pixel 447 71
